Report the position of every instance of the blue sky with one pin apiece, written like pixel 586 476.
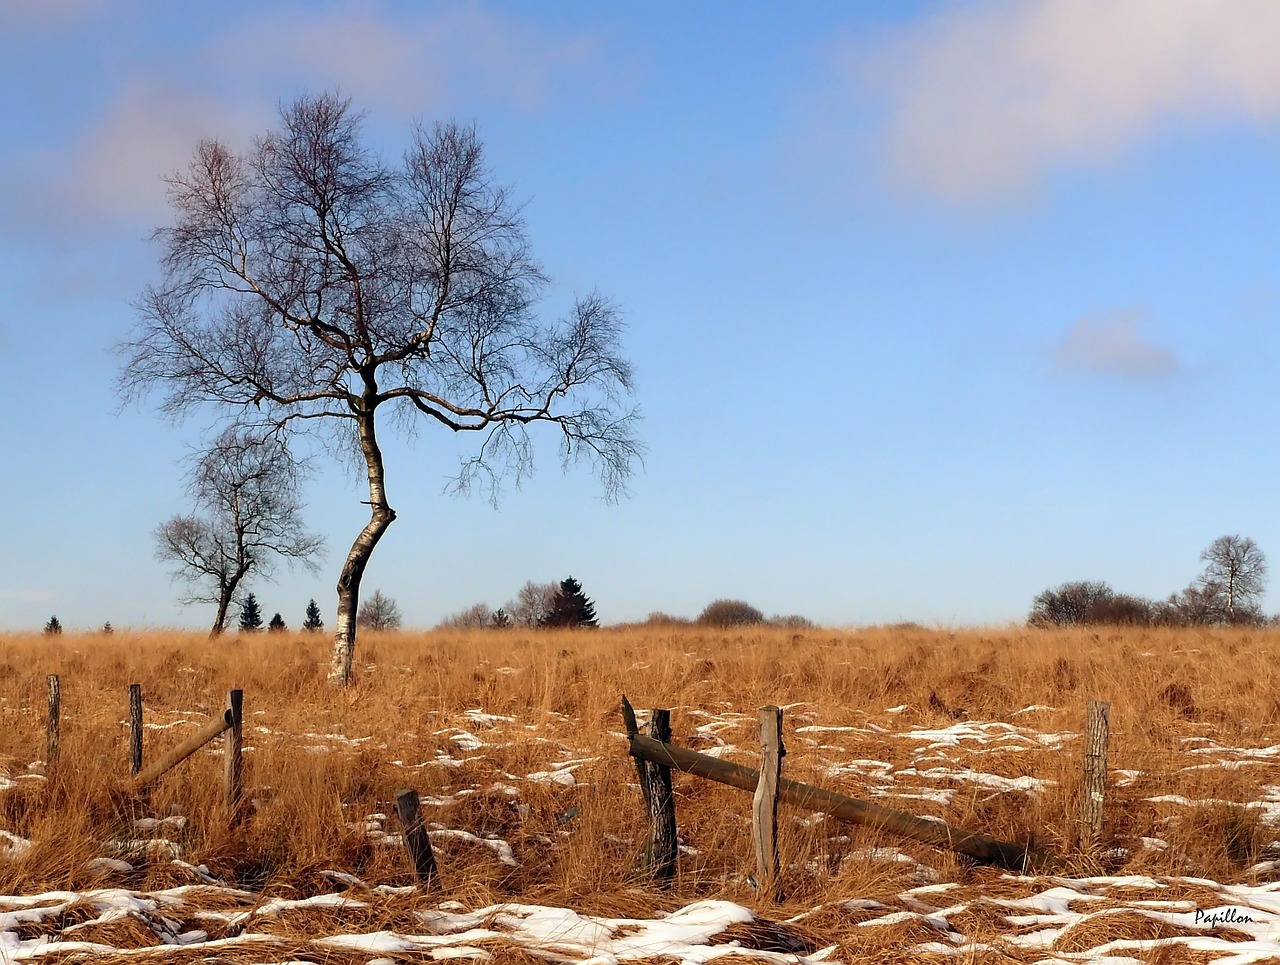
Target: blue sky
pixel 932 305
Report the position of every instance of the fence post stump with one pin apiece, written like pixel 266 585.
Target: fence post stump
pixel 53 723
pixel 1097 735
pixel 416 841
pixel 135 728
pixel 764 806
pixel 234 775
pixel 661 849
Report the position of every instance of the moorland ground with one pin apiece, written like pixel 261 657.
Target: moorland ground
pixel 515 736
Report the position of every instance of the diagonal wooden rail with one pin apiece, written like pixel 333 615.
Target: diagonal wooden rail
pixel 169 761
pixel 979 847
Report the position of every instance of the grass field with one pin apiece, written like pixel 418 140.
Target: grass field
pixel 513 739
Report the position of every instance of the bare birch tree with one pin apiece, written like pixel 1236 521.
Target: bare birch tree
pixel 248 516
pixel 308 283
pixel 1236 569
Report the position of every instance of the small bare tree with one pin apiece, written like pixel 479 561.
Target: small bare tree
pixel 1069 604
pixel 379 612
pixel 532 604
pixel 1236 568
pixel 249 516
pixel 472 618
pixel 308 283
pixel 729 613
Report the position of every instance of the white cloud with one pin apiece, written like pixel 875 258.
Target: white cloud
pixel 1114 345
pixel 408 63
pixel 984 100
pixel 400 67
pixel 149 132
pixel 28 596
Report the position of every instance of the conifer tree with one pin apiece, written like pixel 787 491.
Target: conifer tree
pixel 571 608
pixel 250 614
pixel 108 628
pixel 277 624
pixel 54 626
pixel 313 623
pixel 500 620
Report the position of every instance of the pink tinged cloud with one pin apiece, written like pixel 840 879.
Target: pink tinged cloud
pixel 982 101
pixel 399 69
pixel 1116 346
pixel 149 133
pixel 410 64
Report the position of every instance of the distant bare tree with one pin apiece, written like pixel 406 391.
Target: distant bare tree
pixel 249 515
pixel 1237 568
pixel 379 612
pixel 1200 604
pixel 532 604
pixel 308 283
pixel 1068 604
pixel 1122 609
pixel 729 613
pixel 792 621
pixel 472 618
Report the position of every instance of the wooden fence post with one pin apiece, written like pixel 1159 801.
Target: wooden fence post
pixel 1096 738
pixel 234 775
pixel 416 841
pixel 764 806
pixel 661 850
pixel 53 723
pixel 135 728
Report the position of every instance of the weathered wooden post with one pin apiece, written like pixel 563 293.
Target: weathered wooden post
pixel 416 841
pixel 764 806
pixel 661 850
pixel 233 780
pixel 1096 737
pixel 53 723
pixel 135 728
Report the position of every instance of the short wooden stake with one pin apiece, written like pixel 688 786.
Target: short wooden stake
pixel 416 841
pixel 764 806
pixel 135 728
pixel 661 850
pixel 52 725
pixel 233 782
pixel 1096 737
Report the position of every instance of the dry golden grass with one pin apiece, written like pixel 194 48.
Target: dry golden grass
pixel 312 790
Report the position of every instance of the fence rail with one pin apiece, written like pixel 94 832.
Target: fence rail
pixel 980 847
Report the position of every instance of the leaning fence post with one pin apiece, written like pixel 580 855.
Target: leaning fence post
pixel 416 841
pixel 135 728
pixel 764 806
pixel 1097 735
pixel 234 775
pixel 52 724
pixel 661 849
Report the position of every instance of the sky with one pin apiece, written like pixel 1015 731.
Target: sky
pixel 932 306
